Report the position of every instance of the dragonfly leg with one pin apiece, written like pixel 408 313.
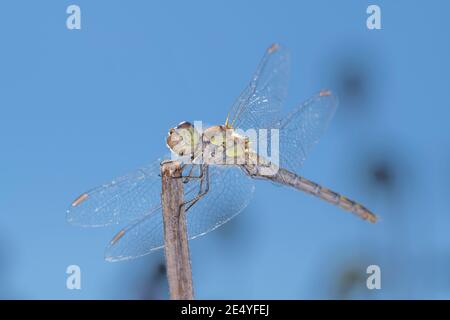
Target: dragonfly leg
pixel 185 178
pixel 190 174
pixel 205 178
pixel 249 172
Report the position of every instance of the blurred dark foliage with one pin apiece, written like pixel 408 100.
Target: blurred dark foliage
pixel 349 280
pixel 353 80
pixel 353 83
pixel 347 277
pixel 382 173
pixel 385 171
pixel 153 285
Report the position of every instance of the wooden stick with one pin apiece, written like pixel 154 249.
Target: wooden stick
pixel 175 236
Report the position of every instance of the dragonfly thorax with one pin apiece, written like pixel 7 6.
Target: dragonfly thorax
pixel 218 145
pixel 224 146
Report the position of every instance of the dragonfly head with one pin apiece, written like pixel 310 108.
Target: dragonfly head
pixel 183 139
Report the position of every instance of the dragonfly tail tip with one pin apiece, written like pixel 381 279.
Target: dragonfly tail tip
pixel 274 47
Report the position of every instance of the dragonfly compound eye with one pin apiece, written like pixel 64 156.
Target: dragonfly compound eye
pixel 185 125
pixel 183 139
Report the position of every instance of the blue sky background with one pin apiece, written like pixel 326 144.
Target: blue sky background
pixel 80 107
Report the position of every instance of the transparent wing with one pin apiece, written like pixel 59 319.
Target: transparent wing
pixel 303 127
pixel 260 102
pixel 138 239
pixel 229 193
pixel 124 199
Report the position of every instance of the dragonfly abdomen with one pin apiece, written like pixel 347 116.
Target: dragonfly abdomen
pixel 288 178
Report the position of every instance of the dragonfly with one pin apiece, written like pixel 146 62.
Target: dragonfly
pixel 219 168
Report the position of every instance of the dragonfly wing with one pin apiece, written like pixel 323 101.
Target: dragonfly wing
pixel 124 199
pixel 303 127
pixel 138 239
pixel 260 102
pixel 229 193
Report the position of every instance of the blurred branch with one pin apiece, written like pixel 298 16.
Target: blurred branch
pixel 175 236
